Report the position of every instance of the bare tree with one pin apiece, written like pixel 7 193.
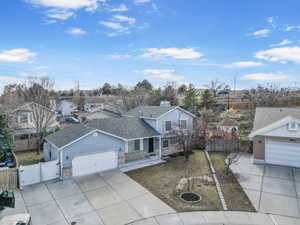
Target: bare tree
pixel 215 85
pixel 232 153
pixel 38 91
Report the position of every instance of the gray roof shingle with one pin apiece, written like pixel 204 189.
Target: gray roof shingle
pixel 124 127
pixel 265 116
pixel 68 134
pixel 149 111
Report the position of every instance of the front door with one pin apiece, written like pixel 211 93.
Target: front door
pixel 151 145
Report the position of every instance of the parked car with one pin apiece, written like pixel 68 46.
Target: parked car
pixel 17 219
pixel 72 120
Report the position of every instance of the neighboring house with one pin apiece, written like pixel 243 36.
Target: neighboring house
pixel 101 114
pixel 228 125
pixel 102 144
pixel 66 108
pixel 276 136
pixel 21 121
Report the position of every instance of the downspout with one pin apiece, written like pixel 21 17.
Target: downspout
pixel 61 164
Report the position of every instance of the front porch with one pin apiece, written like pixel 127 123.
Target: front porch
pixel 142 149
pixel 137 164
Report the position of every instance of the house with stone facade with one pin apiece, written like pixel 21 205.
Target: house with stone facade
pixel 143 133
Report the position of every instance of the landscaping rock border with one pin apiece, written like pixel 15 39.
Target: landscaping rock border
pixel 219 190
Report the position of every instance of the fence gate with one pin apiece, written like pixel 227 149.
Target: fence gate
pixel 39 172
pixel 8 178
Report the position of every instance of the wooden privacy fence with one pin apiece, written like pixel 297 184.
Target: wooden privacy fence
pixel 8 179
pixel 216 144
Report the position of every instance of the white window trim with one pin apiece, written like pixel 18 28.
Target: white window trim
pixel 139 141
pixel 186 124
pixel 165 121
pixel 163 143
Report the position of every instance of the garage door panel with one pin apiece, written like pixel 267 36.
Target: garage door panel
pixel 282 153
pixel 94 163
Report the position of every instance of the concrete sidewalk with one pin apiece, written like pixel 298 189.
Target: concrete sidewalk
pixel 217 218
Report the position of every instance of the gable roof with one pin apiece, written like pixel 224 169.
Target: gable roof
pixel 263 131
pixel 123 128
pixel 69 134
pixel 152 111
pixel 265 116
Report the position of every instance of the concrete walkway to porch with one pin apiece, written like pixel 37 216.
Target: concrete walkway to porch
pixel 140 164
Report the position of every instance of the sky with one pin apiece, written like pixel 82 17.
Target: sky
pixel 125 41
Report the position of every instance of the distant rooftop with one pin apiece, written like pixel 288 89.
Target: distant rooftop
pixel 149 111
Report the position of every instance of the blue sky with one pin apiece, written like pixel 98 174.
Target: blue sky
pixel 125 41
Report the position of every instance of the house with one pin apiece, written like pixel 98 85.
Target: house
pixel 22 122
pixel 100 114
pixel 102 144
pixel 276 136
pixel 228 125
pixel 65 108
pixel 165 119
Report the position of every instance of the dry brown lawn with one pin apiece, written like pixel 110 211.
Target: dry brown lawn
pixel 162 179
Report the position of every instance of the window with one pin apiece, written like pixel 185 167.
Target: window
pixel 182 124
pixel 23 118
pixel 136 145
pixel 168 125
pixel 293 126
pixel 165 144
pixel 173 141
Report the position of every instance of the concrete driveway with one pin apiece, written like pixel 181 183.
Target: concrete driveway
pixel 272 189
pixel 110 198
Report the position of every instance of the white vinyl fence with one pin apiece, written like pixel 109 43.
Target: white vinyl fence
pixel 39 172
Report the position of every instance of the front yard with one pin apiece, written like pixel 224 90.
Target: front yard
pixel 234 194
pixel 163 179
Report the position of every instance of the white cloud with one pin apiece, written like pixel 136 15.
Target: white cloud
pixel 137 2
pixel 283 54
pixel 176 53
pixel 113 25
pixel 64 9
pixel 265 76
pixel 120 8
pixel 76 31
pixel 162 75
pixel 67 4
pixel 284 42
pixel 17 55
pixel 261 33
pixel 291 27
pixel 9 79
pixel 127 19
pixel 120 56
pixel 34 74
pixel 243 64
pixel 41 67
pixel 270 20
pixel 59 14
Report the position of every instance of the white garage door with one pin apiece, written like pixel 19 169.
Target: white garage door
pixel 283 153
pixel 93 163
